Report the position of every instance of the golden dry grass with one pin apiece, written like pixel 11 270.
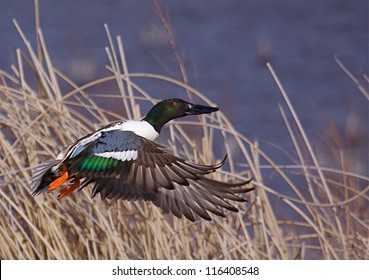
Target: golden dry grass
pixel 327 214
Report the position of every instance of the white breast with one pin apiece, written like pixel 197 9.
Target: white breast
pixel 141 128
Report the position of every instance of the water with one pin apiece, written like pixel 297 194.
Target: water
pixel 225 45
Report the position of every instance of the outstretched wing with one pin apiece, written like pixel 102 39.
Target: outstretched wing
pixel 134 160
pixel 124 165
pixel 195 199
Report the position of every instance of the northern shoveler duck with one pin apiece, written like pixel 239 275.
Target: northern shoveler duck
pixel 122 161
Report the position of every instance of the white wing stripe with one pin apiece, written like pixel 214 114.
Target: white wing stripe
pixel 122 156
pixel 129 155
pixel 134 157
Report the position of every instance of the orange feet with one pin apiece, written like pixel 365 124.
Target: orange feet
pixel 58 182
pixel 69 189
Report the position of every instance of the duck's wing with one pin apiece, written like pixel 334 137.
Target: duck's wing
pixel 198 198
pixel 124 165
pixel 134 160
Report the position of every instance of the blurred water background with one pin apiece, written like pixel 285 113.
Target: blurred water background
pixel 225 46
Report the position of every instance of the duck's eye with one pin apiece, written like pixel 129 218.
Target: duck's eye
pixel 174 103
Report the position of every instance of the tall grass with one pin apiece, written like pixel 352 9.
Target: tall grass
pixel 326 217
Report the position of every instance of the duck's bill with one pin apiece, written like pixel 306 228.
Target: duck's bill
pixel 195 109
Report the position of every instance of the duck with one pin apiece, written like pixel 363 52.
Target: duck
pixel 123 161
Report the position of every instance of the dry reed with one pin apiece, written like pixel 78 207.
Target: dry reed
pixel 328 212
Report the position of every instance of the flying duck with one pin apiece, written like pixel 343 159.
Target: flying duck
pixel 121 161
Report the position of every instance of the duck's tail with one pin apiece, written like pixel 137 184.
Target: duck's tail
pixel 51 175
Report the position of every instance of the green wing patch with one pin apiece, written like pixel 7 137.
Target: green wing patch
pixel 96 163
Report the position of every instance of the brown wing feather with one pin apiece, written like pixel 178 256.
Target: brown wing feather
pixel 175 185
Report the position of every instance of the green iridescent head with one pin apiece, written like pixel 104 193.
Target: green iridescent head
pixel 173 108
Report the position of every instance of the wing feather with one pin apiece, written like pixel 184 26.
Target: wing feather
pixel 144 170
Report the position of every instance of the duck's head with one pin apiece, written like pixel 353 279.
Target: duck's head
pixel 170 109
